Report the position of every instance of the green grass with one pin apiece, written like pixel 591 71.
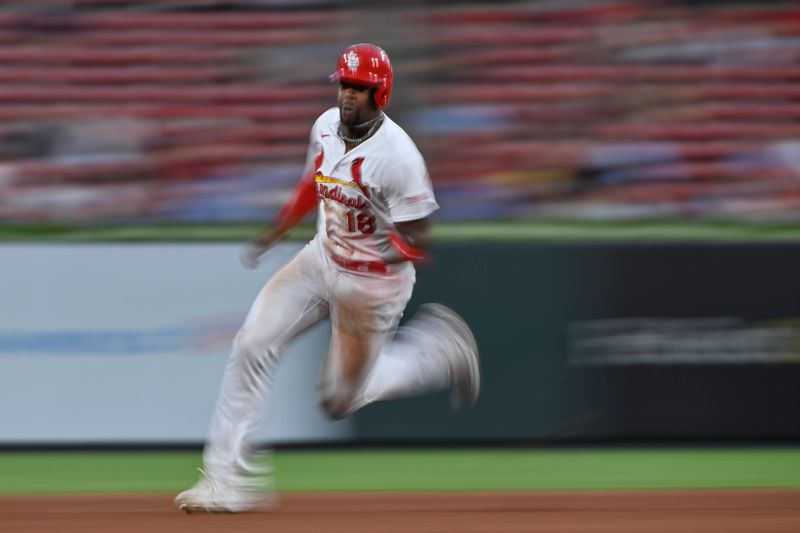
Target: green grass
pixel 481 470
pixel 650 230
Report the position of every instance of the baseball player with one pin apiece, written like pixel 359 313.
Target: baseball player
pixel 374 198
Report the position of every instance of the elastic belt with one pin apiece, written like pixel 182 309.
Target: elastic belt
pixel 378 267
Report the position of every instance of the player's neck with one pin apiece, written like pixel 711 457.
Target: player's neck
pixel 353 135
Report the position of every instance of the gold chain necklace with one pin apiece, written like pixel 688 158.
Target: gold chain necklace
pixel 376 122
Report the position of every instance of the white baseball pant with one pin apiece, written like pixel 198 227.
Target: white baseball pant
pixel 366 361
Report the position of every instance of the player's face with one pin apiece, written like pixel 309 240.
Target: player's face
pixel 355 104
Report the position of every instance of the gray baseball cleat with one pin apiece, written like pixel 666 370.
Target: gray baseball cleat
pixel 216 495
pixel 463 361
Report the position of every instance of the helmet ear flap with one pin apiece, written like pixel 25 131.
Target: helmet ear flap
pixel 381 97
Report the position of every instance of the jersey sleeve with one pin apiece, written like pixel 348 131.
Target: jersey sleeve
pixel 313 148
pixel 411 194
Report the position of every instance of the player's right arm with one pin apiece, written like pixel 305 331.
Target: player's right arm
pixel 302 202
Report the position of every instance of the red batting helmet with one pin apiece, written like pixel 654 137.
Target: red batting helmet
pixel 366 64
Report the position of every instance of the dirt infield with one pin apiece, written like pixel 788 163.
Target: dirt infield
pixel 755 511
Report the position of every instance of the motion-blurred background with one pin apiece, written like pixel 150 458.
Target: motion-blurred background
pixel 149 113
pixel 118 111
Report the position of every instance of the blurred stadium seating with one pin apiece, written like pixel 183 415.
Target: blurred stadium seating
pixel 127 111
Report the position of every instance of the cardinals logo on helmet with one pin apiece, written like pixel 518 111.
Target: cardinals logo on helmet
pixel 352 60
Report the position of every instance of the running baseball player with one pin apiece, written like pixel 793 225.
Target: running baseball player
pixel 370 184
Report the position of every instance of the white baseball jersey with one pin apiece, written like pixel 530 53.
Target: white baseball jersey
pixel 365 191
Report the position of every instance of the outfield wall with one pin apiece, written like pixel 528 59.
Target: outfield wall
pixel 126 344
pixel 616 341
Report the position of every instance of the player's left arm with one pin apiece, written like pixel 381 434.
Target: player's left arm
pixel 411 202
pixel 412 239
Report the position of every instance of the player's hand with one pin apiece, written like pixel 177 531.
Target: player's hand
pixel 253 251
